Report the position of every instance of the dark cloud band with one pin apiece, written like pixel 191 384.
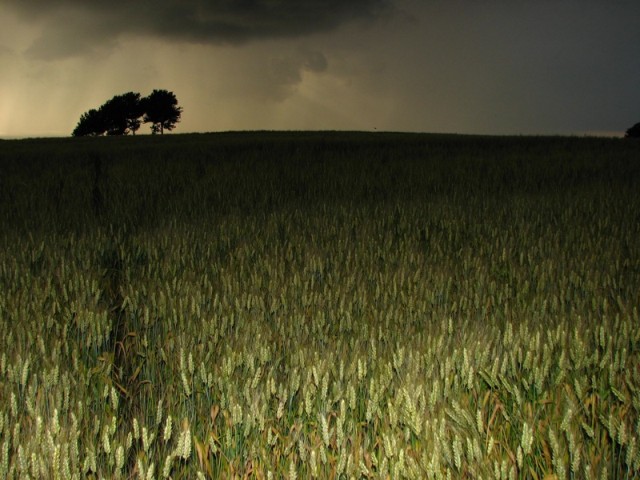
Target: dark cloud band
pixel 201 21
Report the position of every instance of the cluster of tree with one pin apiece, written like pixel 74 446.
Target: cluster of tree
pixel 125 113
pixel 633 132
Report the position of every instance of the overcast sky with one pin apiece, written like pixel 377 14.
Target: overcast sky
pixel 465 66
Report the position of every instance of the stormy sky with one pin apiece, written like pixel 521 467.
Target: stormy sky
pixel 464 66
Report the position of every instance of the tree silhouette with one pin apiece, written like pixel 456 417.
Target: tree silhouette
pixel 161 110
pixel 122 113
pixel 91 123
pixel 115 116
pixel 633 132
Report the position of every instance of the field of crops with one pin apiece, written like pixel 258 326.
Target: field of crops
pixel 320 305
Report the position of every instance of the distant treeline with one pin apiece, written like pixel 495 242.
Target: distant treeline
pixel 124 113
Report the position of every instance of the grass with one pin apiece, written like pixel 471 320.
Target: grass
pixel 320 304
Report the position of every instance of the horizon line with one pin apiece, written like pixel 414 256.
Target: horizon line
pixel 580 134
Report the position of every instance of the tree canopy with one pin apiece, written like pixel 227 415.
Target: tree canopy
pixel 161 110
pixel 634 132
pixel 123 114
pixel 91 123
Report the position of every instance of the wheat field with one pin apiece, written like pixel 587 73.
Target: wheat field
pixel 320 305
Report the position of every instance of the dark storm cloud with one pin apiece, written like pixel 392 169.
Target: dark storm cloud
pixel 72 34
pixel 315 61
pixel 285 72
pixel 73 27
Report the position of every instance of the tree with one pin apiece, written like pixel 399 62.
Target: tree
pixel 633 132
pixel 122 113
pixel 161 110
pixel 134 110
pixel 90 123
